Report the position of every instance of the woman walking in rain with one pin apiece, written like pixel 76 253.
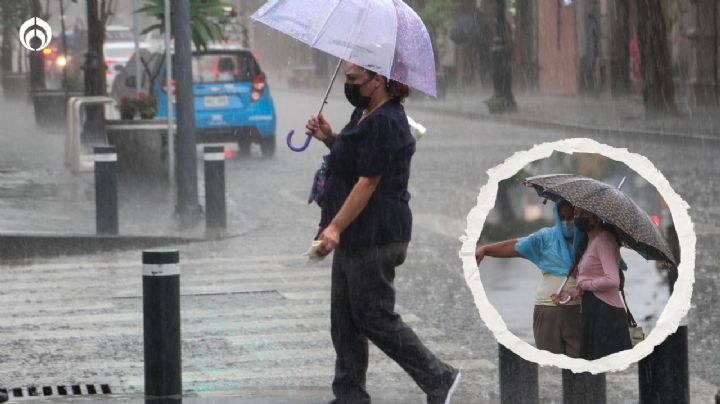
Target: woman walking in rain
pixel 367 221
pixel 604 320
pixel 556 328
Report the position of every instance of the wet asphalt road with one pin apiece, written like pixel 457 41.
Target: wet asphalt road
pixel 269 214
pixel 448 171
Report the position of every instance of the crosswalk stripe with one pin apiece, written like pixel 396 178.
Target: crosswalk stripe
pixel 274 260
pixel 188 328
pixel 188 289
pixel 198 276
pixel 384 368
pixel 277 337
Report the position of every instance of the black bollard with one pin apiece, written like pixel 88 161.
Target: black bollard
pixel 215 211
pixel 106 190
pixel 583 388
pixel 161 322
pixel 663 375
pixel 518 379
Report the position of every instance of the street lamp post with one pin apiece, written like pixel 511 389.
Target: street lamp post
pixel 188 207
pixel 502 99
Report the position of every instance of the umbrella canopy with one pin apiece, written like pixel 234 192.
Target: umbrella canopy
pixel 632 224
pixel 385 36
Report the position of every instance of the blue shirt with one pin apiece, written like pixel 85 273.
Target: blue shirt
pixel 548 249
pixel 381 144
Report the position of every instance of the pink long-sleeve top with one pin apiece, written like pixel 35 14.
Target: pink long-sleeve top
pixel 598 270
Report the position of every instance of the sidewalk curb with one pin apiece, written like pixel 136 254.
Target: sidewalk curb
pixel 567 126
pixel 509 119
pixel 23 246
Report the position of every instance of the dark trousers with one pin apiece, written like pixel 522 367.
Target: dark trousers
pixel 362 309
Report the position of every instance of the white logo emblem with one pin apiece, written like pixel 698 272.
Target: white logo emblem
pixel 35 34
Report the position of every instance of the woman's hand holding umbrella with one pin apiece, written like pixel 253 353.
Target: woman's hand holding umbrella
pixel 320 129
pixel 561 298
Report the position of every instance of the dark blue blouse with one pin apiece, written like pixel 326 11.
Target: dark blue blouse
pixel 381 144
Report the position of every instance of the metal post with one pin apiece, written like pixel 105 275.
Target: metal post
pixel 106 190
pixel 161 326
pixel 518 379
pixel 215 211
pixel 188 207
pixel 170 88
pixel 136 43
pixel 583 388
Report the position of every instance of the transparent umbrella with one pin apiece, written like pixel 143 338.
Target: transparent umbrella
pixel 385 36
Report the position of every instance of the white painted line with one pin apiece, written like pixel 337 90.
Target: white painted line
pixel 215 156
pixel 105 157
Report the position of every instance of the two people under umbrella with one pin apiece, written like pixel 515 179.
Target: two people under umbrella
pixel 366 221
pixel 587 319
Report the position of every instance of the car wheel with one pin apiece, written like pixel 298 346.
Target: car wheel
pixel 267 146
pixel 244 147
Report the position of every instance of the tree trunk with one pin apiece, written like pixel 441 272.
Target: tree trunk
pixel 37 70
pixel 526 44
pixel 94 60
pixel 658 90
pixel 619 47
pixel 8 37
pixel 94 129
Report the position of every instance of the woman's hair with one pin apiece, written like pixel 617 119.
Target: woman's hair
pixel 396 90
pixel 582 247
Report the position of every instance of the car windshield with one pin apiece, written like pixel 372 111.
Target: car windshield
pixel 223 67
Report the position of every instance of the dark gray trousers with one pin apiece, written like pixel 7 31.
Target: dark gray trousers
pixel 362 308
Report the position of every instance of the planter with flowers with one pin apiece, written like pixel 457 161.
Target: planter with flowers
pixel 140 140
pixel 144 106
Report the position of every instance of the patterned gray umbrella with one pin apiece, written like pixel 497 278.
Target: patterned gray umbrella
pixel 632 224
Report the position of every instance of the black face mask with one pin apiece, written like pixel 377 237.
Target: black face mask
pixel 583 224
pixel 352 93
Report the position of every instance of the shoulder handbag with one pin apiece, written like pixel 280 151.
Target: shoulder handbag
pixel 317 191
pixel 636 332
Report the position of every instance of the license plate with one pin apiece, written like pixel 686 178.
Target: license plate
pixel 216 100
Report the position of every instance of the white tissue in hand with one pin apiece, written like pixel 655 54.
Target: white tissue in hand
pixel 312 252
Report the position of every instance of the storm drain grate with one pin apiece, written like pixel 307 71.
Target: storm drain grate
pixel 62 390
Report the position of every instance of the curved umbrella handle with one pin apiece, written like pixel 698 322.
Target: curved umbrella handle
pixel 297 149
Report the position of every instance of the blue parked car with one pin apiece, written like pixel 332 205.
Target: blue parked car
pixel 232 100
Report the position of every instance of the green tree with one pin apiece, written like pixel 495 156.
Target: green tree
pixel 207 17
pixel 13 13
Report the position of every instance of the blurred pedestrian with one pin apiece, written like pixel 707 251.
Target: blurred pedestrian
pixel 367 221
pixel 556 328
pixel 446 55
pixel 604 319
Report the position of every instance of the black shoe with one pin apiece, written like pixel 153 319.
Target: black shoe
pixel 3 397
pixel 336 401
pixel 445 397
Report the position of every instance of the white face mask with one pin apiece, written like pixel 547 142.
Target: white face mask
pixel 568 227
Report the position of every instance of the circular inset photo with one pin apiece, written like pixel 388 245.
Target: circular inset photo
pixel 579 255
